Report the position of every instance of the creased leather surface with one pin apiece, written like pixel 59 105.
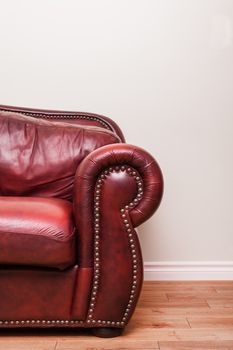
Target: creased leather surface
pixel 39 158
pixel 79 118
pixel 36 232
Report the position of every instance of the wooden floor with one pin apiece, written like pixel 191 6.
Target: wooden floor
pixel 170 316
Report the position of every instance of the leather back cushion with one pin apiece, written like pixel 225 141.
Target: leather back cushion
pixel 40 158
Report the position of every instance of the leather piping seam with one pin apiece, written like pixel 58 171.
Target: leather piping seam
pixel 62 116
pixel 130 234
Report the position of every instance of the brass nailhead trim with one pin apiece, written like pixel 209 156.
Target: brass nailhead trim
pixel 129 231
pixel 61 116
pixel 22 322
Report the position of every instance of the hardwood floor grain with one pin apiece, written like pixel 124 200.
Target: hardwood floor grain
pixel 197 345
pixel 25 344
pixel 207 322
pixel 182 315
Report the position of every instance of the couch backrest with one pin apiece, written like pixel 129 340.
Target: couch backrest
pixel 40 158
pixel 79 118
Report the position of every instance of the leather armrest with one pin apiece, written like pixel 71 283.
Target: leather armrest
pixel 140 206
pixel 117 187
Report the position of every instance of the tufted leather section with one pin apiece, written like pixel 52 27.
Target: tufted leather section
pixel 40 158
pixel 36 232
pixel 85 181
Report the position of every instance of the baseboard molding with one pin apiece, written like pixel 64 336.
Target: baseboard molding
pixel 188 270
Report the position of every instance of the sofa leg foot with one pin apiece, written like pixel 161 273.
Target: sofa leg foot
pixel 105 332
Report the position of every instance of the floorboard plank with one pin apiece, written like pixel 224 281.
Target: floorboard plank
pixel 197 345
pixel 217 322
pixel 25 344
pixel 202 334
pixel 193 311
pixel 103 344
pixel 152 321
pixel 222 302
pixel 172 296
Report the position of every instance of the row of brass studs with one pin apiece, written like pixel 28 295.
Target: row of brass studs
pixel 25 322
pixel 129 231
pixel 96 250
pixel 60 116
pixel 52 322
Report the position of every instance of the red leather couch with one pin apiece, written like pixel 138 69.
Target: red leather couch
pixel 71 194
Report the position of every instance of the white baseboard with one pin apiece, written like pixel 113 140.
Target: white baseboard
pixel 188 270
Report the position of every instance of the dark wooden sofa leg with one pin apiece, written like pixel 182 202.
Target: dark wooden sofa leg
pixel 105 332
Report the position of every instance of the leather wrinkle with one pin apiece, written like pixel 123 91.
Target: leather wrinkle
pixel 41 146
pixel 77 118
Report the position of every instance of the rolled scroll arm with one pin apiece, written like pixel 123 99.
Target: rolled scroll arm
pixel 117 187
pixel 87 174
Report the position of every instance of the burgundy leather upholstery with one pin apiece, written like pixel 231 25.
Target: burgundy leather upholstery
pixel 71 196
pixel 31 147
pixel 36 232
pixel 78 118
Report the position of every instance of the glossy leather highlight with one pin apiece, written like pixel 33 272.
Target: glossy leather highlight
pixel 37 232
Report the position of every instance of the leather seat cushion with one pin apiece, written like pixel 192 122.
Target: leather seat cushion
pixel 36 232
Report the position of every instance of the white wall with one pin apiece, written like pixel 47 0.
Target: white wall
pixel 163 69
